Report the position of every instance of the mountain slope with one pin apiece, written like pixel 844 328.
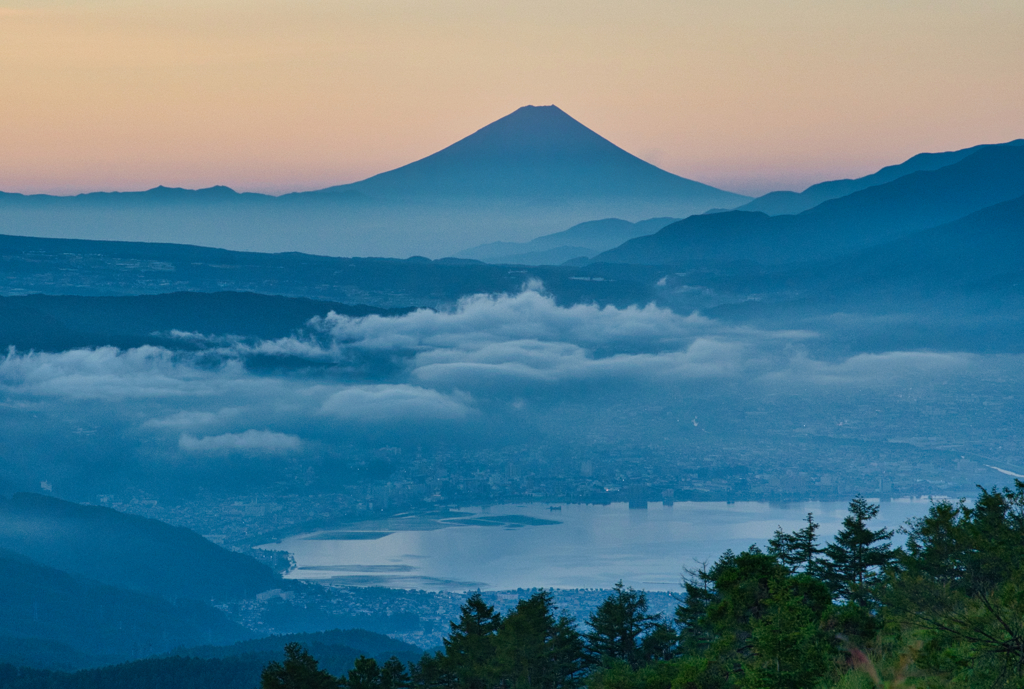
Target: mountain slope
pixel 982 249
pixel 126 551
pixel 537 155
pixel 841 226
pixel 52 619
pixel 792 203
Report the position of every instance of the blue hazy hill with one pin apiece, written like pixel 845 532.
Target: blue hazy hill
pixel 127 551
pixel 585 239
pixel 53 619
pixel 792 203
pixel 956 287
pixel 361 641
pixel 532 172
pixel 221 667
pixel 98 268
pixel 846 225
pixel 43 322
pixel 982 250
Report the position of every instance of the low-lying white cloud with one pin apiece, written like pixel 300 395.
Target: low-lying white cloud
pixel 251 441
pixel 489 340
pixel 394 402
pixel 107 372
pixel 193 419
pixel 873 369
pixel 528 316
pixel 492 365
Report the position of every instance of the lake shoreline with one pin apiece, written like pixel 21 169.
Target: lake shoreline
pixel 528 545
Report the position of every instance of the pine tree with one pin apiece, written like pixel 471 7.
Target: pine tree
pixel 619 627
pixel 299 670
pixel 798 551
pixel 536 650
pixel 854 560
pixel 961 584
pixel 695 633
pixel 393 674
pixel 470 648
pixel 431 672
pixel 790 649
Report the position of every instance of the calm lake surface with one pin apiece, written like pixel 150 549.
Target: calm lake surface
pixel 573 546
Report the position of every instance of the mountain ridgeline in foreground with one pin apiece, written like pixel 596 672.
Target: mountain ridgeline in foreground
pixel 236 666
pixel 53 619
pixel 85 585
pixel 75 267
pixel 127 551
pixel 532 172
pixel 177 320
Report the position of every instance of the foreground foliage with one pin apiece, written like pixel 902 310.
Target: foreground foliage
pixel 945 610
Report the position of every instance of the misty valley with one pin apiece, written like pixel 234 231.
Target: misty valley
pixel 604 373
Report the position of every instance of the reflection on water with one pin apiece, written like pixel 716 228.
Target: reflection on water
pixel 578 546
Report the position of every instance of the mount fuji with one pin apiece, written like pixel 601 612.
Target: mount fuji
pixel 530 173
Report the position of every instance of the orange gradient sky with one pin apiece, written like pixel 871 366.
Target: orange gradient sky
pixel 281 95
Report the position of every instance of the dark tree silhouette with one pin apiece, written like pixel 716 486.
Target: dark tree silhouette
pixel 298 671
pixel 622 629
pixel 469 650
pixel 856 557
pixel 799 551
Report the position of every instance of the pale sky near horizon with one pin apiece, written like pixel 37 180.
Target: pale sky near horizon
pixel 275 95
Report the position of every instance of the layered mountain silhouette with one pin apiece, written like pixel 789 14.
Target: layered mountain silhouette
pixel 57 620
pixel 584 240
pixel 982 250
pixel 78 267
pixel 533 172
pixel 86 585
pixel 126 551
pixel 845 225
pixel 791 202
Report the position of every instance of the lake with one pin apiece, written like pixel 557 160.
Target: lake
pixel 571 546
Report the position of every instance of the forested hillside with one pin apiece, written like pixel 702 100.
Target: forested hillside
pixel 219 667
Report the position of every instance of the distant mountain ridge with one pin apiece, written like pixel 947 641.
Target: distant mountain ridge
pixel 130 269
pixel 792 203
pixel 60 322
pixel 852 223
pixel 983 248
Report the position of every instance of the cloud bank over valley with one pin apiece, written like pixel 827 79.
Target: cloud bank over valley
pixel 492 373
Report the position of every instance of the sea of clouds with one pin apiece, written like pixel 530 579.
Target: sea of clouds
pixel 488 370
